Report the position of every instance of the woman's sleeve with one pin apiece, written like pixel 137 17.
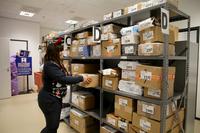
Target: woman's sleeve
pixel 55 73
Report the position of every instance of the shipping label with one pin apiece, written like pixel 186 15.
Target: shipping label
pixel 154 92
pixel 132 9
pixel 148 35
pixel 111 121
pixel 123 102
pixel 117 14
pixel 122 125
pixel 129 50
pixel 145 125
pixel 148 109
pixel 76 122
pixel 147 49
pixel 110 49
pixel 75 99
pixel 128 75
pixel 80 49
pixel 108 83
pixel 145 75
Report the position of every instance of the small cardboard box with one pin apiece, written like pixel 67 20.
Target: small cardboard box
pixel 153 111
pixel 123 124
pixel 95 50
pixel 128 65
pixel 84 68
pixel 110 82
pixel 111 119
pixel 83 35
pixel 129 50
pixel 151 76
pixel 132 38
pixel 74 50
pixel 111 48
pixel 156 93
pixel 133 129
pixel 108 16
pixel 93 84
pixel 154 34
pixel 84 50
pixel 84 100
pixel 124 107
pixel 152 126
pixel 130 87
pixel 134 8
pixel 81 122
pixel 107 129
pixel 109 36
pixel 154 49
pixel 118 13
pixel 128 75
pixel 111 28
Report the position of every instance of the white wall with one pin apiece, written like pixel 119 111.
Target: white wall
pixel 17 29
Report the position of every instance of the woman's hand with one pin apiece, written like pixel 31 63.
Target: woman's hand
pixel 86 79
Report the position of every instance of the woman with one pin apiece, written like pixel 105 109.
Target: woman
pixel 54 86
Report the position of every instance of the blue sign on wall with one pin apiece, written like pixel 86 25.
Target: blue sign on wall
pixel 24 66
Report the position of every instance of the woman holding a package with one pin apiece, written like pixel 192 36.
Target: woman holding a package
pixel 54 86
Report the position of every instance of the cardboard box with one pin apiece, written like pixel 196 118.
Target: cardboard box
pixel 154 34
pixel 74 50
pixel 84 100
pixel 172 2
pixel 108 16
pixel 81 122
pixel 118 13
pixel 123 124
pixel 83 35
pixel 128 75
pixel 90 41
pixel 132 38
pixel 111 49
pixel 156 93
pixel 151 76
pixel 111 28
pixel 152 126
pixel 129 30
pixel 111 119
pixel 129 50
pixel 95 50
pixel 175 30
pixel 130 87
pixel 93 84
pixel 133 129
pixel 109 36
pixel 84 68
pixel 84 50
pixel 110 82
pixel 154 49
pixel 134 8
pixel 107 129
pixel 148 4
pixel 152 111
pixel 128 65
pixel 124 107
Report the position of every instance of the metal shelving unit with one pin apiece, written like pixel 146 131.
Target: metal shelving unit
pixel 165 59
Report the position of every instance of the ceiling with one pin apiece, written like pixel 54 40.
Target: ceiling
pixel 54 13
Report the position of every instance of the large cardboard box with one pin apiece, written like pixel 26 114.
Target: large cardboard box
pixel 129 50
pixel 107 129
pixel 110 82
pixel 112 119
pixel 84 68
pixel 95 50
pixel 154 34
pixel 154 49
pixel 152 126
pixel 151 76
pixel 124 107
pixel 123 124
pixel 83 35
pixel 130 87
pixel 74 50
pixel 111 48
pixel 132 38
pixel 81 122
pixel 93 84
pixel 111 28
pixel 156 93
pixel 84 100
pixel 153 111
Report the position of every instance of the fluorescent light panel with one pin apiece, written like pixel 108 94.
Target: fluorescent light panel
pixel 27 14
pixel 71 22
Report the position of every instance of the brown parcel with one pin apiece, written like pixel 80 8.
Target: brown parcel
pixel 156 93
pixel 152 126
pixel 124 107
pixel 110 82
pixel 84 68
pixel 81 122
pixel 111 48
pixel 83 35
pixel 153 111
pixel 154 49
pixel 151 76
pixel 111 119
pixel 154 34
pixel 123 124
pixel 111 28
pixel 74 50
pixel 107 129
pixel 93 84
pixel 84 100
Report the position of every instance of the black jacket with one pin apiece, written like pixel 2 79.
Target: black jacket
pixel 54 78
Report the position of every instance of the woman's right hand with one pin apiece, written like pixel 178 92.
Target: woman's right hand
pixel 87 79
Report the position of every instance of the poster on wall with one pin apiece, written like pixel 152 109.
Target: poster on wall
pixel 24 66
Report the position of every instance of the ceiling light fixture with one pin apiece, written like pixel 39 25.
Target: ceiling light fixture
pixel 27 14
pixel 71 22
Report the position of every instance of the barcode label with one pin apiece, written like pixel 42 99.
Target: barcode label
pixel 123 102
pixel 147 49
pixel 145 75
pixel 148 109
pixel 122 125
pixel 154 92
pixel 145 125
pixel 110 48
pixel 148 35
pixel 129 50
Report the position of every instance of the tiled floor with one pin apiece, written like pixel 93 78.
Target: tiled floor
pixel 20 114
